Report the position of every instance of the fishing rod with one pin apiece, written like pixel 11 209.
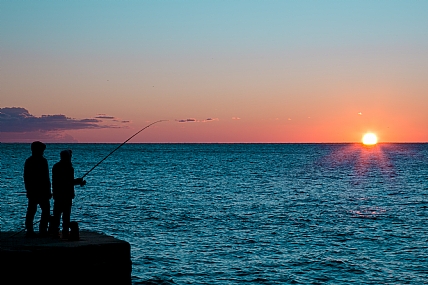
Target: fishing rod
pixel 99 164
pixel 122 145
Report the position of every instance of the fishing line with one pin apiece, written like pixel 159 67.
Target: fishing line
pixel 99 164
pixel 122 145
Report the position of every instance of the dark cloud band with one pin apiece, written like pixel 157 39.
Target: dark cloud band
pixel 19 120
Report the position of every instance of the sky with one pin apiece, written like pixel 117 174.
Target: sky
pixel 218 71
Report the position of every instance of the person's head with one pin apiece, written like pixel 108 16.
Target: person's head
pixel 37 148
pixel 66 155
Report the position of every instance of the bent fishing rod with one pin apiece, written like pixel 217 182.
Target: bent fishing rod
pixel 100 163
pixel 122 145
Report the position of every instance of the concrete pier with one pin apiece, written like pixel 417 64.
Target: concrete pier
pixel 94 259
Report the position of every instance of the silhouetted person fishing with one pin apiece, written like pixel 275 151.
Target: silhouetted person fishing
pixel 63 182
pixel 37 185
pixel 38 188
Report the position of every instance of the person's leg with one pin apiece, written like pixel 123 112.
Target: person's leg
pixel 46 212
pixel 31 211
pixel 66 218
pixel 54 226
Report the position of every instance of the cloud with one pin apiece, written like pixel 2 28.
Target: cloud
pixel 19 120
pixel 103 116
pixel 113 118
pixel 197 121
pixel 210 120
pixel 236 118
pixel 186 120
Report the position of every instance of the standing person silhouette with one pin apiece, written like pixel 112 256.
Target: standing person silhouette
pixel 38 188
pixel 63 182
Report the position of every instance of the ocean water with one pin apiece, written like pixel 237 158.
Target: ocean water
pixel 249 213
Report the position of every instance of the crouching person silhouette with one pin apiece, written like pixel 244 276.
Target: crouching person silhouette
pixel 38 188
pixel 63 182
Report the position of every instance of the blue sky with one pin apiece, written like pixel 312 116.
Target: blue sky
pixel 129 25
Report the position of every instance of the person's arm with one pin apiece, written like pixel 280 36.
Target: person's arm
pixel 47 179
pixel 27 178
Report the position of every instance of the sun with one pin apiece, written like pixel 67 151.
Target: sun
pixel 369 139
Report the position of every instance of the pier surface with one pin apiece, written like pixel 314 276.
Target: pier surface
pixel 93 259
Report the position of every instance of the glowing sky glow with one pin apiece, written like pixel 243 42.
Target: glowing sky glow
pixel 219 71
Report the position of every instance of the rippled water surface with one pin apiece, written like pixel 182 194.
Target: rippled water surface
pixel 249 213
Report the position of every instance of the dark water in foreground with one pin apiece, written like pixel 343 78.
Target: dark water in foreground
pixel 249 213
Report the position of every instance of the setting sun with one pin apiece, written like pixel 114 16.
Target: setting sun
pixel 369 139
